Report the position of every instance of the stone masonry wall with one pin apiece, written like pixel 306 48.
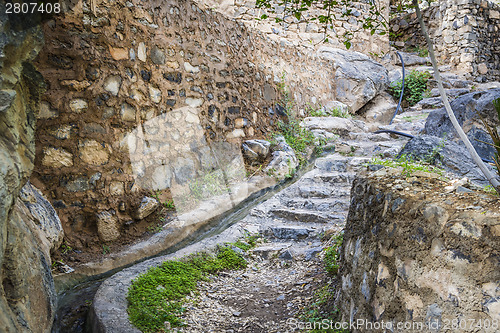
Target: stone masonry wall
pixel 415 253
pixel 465 33
pixel 309 35
pixel 144 96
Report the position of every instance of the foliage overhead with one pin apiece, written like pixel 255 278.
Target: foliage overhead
pixel 373 18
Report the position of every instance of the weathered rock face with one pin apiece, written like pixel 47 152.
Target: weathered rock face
pixel 447 155
pixel 43 215
pixel 358 79
pixel 27 297
pixel 413 253
pixel 466 109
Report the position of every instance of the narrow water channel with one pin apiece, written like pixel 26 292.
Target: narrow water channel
pixel 73 304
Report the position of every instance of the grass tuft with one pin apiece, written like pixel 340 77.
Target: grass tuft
pixel 159 295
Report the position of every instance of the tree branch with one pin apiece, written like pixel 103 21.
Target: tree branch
pixel 493 181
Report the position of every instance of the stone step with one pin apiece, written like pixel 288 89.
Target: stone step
pixel 297 250
pixel 335 178
pixel 320 205
pixel 336 162
pixel 302 215
pixel 451 93
pixel 292 232
pixel 315 191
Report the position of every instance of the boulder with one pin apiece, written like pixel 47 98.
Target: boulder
pixel 147 207
pixel 283 162
pixel 44 215
pixel 335 125
pixel 255 150
pixel 465 108
pixel 380 109
pixel 451 156
pixel 27 296
pixel 358 79
pixel 333 107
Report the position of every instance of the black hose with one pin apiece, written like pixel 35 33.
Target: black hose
pixel 402 88
pixel 395 132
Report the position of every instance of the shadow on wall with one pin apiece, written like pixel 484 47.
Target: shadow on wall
pixel 170 152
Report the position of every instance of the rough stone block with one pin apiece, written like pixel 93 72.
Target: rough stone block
pixel 56 157
pixel 147 207
pixel 92 152
pixel 108 228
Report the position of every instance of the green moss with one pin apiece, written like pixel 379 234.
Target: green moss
pixel 158 295
pixel 331 258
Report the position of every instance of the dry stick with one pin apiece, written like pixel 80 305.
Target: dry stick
pixel 493 181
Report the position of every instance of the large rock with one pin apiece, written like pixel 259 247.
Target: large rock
pixel 446 154
pixel 27 295
pixel 147 207
pixel 283 162
pixel 108 227
pixel 255 151
pixel 466 108
pixel 358 79
pixel 335 125
pixel 380 110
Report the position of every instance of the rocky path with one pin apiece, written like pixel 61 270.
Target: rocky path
pixel 295 224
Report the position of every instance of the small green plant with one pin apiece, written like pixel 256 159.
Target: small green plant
pixel 296 136
pixel 321 311
pixel 168 204
pixel 415 87
pixel 319 111
pixel 57 263
pixel 331 259
pixel 431 158
pixel 105 249
pixel 489 189
pixel 65 248
pixel 158 296
pixel 156 228
pixel 408 163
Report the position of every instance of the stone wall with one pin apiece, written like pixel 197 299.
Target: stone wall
pixel 27 294
pixel 309 35
pixel 415 253
pixel 148 96
pixel 465 33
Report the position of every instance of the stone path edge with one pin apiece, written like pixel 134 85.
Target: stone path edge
pixel 108 313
